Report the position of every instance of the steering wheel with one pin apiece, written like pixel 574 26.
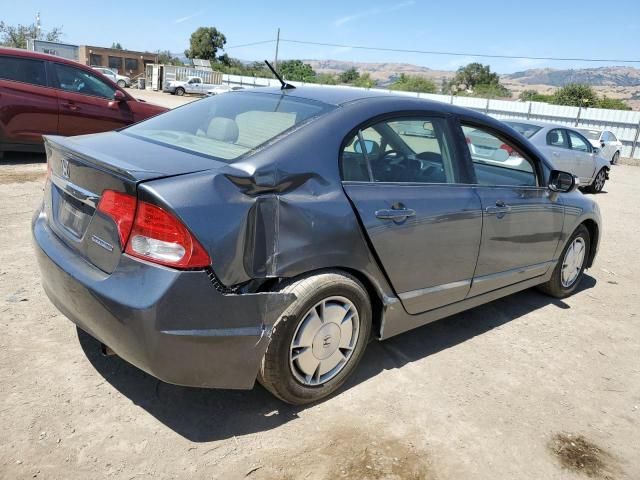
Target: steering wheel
pixel 397 155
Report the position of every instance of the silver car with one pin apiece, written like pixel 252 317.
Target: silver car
pixel 605 141
pixel 568 150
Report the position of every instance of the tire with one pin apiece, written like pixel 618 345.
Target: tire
pixel 179 91
pixel 616 157
pixel 558 288
pixel 122 84
pixel 598 182
pixel 285 367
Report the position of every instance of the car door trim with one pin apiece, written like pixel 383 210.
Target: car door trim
pixel 494 281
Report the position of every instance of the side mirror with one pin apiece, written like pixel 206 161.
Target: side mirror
pixel 602 144
pixel 562 181
pixel 118 96
pixel 369 145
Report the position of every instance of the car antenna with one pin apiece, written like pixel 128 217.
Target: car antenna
pixel 285 85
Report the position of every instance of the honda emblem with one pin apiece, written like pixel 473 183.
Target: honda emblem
pixel 65 168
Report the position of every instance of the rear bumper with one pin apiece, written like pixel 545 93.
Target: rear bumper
pixel 172 324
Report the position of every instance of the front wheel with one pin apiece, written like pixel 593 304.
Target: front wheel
pixel 180 91
pixel 122 84
pixel 319 340
pixel 570 269
pixel 598 183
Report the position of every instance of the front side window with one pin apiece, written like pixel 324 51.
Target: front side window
pixel 405 150
pixel 578 142
pixel 557 138
pixel 23 70
pixel 74 80
pixel 496 161
pixel 226 127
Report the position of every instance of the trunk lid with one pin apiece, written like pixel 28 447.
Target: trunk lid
pixel 82 168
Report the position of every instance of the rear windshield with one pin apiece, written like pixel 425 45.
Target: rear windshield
pixel 525 129
pixel 228 125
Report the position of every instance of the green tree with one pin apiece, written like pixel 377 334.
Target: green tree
pixel 116 46
pixel 349 76
pixel 165 57
pixel 477 79
pixel 296 70
pixel 16 35
pixel 612 103
pixel 205 43
pixel 577 95
pixel 534 96
pixel 326 79
pixel 410 83
pixel 364 81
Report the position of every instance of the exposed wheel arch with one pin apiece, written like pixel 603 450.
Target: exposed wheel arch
pixel 594 234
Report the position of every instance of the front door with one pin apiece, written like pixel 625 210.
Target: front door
pixel 403 177
pixel 522 220
pixel 585 164
pixel 86 103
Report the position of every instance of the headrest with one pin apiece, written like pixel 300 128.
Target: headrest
pixel 223 129
pixel 554 137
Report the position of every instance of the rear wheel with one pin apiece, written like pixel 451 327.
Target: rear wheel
pixel 319 340
pixel 616 157
pixel 570 269
pixel 598 182
pixel 180 91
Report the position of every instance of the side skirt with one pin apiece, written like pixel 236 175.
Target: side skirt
pixel 396 321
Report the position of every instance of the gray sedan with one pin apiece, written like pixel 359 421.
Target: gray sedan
pixel 568 150
pixel 268 234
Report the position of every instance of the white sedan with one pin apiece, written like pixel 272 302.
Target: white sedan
pixel 606 141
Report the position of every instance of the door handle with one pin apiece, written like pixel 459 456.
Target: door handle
pixel 500 208
pixel 555 154
pixel 71 106
pixel 395 213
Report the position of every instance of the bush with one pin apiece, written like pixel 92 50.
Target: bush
pixel 409 83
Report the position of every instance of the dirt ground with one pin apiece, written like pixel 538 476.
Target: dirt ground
pixel 526 387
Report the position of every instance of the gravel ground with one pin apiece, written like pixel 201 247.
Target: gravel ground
pixel 526 387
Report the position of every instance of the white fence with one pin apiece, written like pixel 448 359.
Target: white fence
pixel 624 124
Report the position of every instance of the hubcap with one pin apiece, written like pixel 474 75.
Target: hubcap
pixel 324 341
pixel 572 263
pixel 600 180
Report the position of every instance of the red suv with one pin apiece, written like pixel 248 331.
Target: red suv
pixel 43 94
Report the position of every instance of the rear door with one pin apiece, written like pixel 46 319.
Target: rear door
pixel 584 161
pixel 28 106
pixel 404 178
pixel 522 221
pixel 86 102
pixel 558 150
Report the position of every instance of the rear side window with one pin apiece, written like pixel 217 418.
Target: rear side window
pixel 228 126
pixel 76 80
pixel 403 150
pixel 23 70
pixel 496 161
pixel 558 138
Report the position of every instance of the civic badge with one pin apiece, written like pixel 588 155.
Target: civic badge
pixel 65 168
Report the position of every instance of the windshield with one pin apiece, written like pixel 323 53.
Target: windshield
pixel 227 126
pixel 591 134
pixel 525 129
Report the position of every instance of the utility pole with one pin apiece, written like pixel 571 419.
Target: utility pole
pixel 38 26
pixel 275 62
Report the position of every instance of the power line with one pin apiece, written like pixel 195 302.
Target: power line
pixel 434 52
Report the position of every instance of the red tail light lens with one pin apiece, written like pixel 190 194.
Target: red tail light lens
pixel 121 208
pixel 509 149
pixel 151 233
pixel 159 237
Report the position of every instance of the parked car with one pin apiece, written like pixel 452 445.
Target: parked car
pixel 44 94
pixel 193 85
pixel 218 89
pixel 568 150
pixel 270 233
pixel 605 141
pixel 121 80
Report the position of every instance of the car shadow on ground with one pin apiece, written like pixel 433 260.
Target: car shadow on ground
pixel 203 415
pixel 22 158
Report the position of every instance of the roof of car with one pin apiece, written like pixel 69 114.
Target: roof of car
pixel 538 123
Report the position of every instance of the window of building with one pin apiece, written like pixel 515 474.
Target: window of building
pixel 95 60
pixel 131 64
pixel 115 63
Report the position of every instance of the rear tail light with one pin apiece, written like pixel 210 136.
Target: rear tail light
pixel 151 233
pixel 509 149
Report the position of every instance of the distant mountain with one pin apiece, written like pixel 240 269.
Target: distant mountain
pixel 384 73
pixel 602 76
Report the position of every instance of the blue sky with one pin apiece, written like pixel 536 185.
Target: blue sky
pixel 586 29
